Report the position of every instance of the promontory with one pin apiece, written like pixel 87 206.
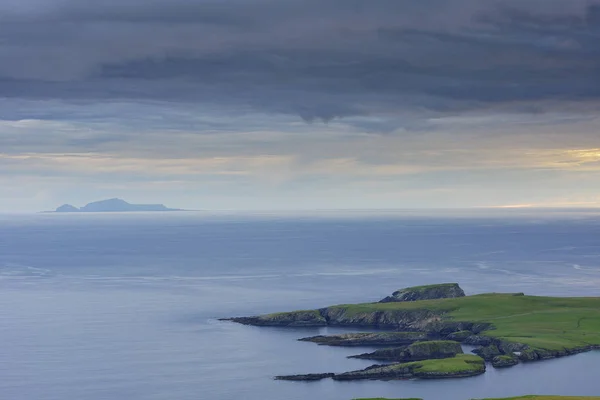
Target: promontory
pixel 507 328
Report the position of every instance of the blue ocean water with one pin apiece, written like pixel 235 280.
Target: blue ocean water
pixel 126 306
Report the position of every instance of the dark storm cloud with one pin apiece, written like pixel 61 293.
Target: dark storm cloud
pixel 316 59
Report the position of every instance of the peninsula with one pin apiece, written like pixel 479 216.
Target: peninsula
pixel 507 328
pixel 113 205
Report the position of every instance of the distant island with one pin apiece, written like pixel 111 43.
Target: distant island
pixel 112 205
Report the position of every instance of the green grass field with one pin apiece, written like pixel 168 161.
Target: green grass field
pixel 460 363
pixel 551 323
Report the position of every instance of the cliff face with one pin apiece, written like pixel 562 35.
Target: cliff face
pixel 429 292
pixel 309 318
pixel 412 320
pixel 368 339
pixel 433 350
pixel 401 320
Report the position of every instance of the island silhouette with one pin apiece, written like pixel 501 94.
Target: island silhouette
pixel 113 205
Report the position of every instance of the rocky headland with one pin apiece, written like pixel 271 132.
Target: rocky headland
pixel 427 292
pixel 460 366
pixel 506 328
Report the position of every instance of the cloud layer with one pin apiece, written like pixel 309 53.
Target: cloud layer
pixel 490 102
pixel 316 59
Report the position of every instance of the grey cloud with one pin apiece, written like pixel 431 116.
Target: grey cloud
pixel 319 60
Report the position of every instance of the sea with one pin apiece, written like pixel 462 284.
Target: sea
pixel 127 306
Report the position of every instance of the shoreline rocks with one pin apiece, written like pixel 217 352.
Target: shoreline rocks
pixel 415 352
pixel 505 361
pixel 462 366
pixel 305 377
pixel 429 321
pixel 369 339
pixel 309 318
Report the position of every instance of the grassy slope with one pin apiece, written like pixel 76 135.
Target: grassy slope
pixel 546 322
pixel 460 363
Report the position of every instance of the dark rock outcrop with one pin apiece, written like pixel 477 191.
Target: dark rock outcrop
pixel 368 339
pixel 510 347
pixel 477 340
pixel 394 354
pixel 428 292
pixel 393 319
pixel 488 352
pixel 504 361
pixel 415 352
pixel 306 377
pixel 533 354
pixel 310 318
pixel 459 336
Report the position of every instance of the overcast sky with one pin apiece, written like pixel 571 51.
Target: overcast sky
pixel 296 104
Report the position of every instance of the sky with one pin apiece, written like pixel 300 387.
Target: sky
pixel 300 104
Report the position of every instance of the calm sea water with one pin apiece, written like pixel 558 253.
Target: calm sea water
pixel 123 306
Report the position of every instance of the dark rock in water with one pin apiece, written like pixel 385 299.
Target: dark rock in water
pixel 488 352
pixel 369 339
pixel 306 377
pixel 429 292
pixel 415 352
pixel 505 361
pixel 290 319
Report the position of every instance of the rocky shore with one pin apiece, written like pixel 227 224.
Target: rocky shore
pixel 432 350
pixel 460 366
pixel 369 339
pixel 425 324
